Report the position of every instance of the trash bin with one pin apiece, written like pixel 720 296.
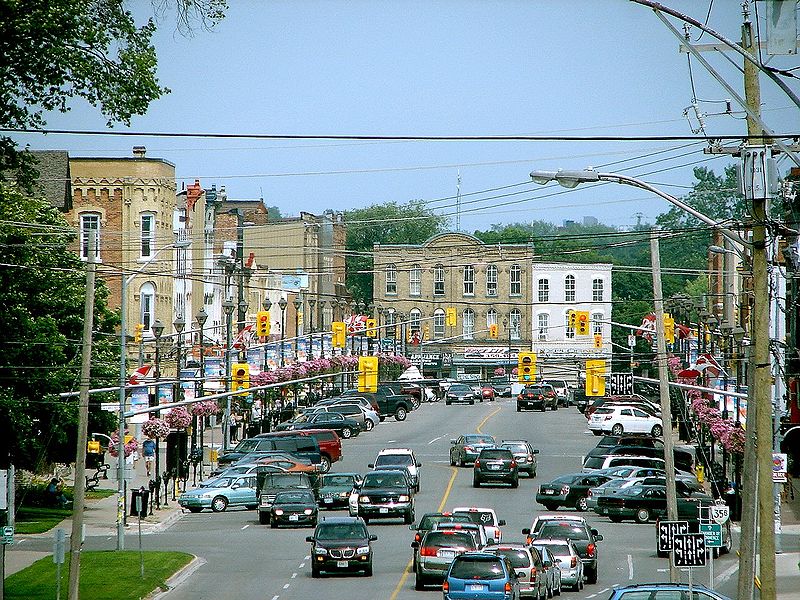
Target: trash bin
pixel 145 496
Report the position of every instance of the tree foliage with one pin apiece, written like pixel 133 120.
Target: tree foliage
pixel 43 291
pixel 388 223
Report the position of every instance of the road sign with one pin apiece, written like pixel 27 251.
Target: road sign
pixel 8 534
pixel 713 534
pixel 621 384
pixel 720 513
pixel 689 550
pixel 667 530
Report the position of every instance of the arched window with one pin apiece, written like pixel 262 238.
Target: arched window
pixel 468 324
pixel 415 281
pixel 515 324
pixel 491 280
pixel 569 288
pixel 391 321
pixel 391 279
pixel 414 316
pixel 569 332
pixel 515 281
pixel 147 305
pixel 597 290
pixel 544 326
pixel 438 323
pixel 544 290
pixel 491 317
pixel 438 280
pixel 469 280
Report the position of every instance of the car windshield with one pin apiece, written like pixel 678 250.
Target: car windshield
pixel 246 446
pixel 428 521
pixel 474 567
pixel 449 539
pixel 383 480
pixel 563 530
pixel 558 549
pixel 614 483
pixel 478 439
pixel 479 517
pixel 294 497
pixel 515 447
pixel 338 480
pixel 519 559
pixel 460 387
pixel 220 482
pixel 341 531
pixel 393 460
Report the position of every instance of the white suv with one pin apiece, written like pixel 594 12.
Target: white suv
pixel 399 458
pixel 624 419
pixel 483 516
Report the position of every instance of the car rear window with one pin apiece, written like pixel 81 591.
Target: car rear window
pixel 519 558
pixel 474 567
pixel 393 460
pixel 595 462
pixel 479 517
pixel 604 411
pixel 428 521
pixel 449 539
pixel 563 530
pixel 516 447
pixel 497 454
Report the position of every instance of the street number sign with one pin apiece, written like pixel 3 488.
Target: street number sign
pixel 667 530
pixel 720 513
pixel 621 384
pixel 713 534
pixel 689 550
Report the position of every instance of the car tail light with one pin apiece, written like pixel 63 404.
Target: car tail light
pixel 564 490
pixel 468 449
pixel 513 464
pixel 574 562
pixel 533 573
pixel 589 494
pixel 417 537
pixel 427 551
pixel 446 587
pixel 477 463
pixel 590 550
pixel 508 587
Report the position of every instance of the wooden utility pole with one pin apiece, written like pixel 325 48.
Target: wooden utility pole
pixel 79 489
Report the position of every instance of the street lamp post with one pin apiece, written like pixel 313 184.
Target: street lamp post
pixel 179 324
pixel 282 304
pixel 266 304
pixel 158 331
pixel 298 304
pixel 201 317
pixel 228 306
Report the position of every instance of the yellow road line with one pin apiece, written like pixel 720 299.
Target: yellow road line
pixel 407 569
pixel 489 416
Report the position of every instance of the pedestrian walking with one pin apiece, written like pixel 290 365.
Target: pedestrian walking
pixel 149 453
pixel 233 425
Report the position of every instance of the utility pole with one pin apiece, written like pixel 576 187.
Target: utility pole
pixel 663 389
pixel 79 488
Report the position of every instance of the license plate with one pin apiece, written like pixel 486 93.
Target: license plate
pixel 293 517
pixel 447 553
pixel 342 564
pixel 549 492
pixel 328 500
pixel 383 510
pixel 494 467
pixel 475 587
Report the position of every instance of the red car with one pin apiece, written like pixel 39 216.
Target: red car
pixel 330 445
pixel 487 393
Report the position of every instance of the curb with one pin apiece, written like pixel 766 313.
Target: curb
pixel 168 522
pixel 178 578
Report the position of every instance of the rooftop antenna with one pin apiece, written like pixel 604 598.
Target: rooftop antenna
pixel 458 202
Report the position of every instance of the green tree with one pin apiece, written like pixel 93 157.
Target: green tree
pixel 388 223
pixel 43 291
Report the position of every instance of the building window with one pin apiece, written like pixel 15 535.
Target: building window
pixel 148 234
pixel 544 290
pixel 438 280
pixel 515 324
pixel 544 325
pixel 468 327
pixel 147 305
pixel 597 290
pixel 491 318
pixel 414 317
pixel 90 225
pixel 469 280
pixel 391 280
pixel 569 288
pixel 415 281
pixel 569 332
pixel 438 323
pixel 391 320
pixel 515 281
pixel 597 323
pixel 491 280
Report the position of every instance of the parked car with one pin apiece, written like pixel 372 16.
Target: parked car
pixel 643 503
pixel 220 493
pixel 606 462
pixel 385 495
pixel 427 523
pixel 394 458
pixel 479 575
pixel 435 552
pixel 344 427
pixel 296 507
pixel 341 544
pixel 460 392
pixel 300 445
pixel 569 490
pixel 632 399
pixel 466 448
pixel 567 559
pixel 335 489
pixel 350 411
pixel 620 419
pixel 495 465
pixel 329 442
pixel 483 516
pixel 539 397
pixel 524 454
pixel 288 465
pixel 584 537
pixel 527 563
pixel 665 590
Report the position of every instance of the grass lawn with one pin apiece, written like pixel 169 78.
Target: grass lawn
pixel 107 575
pixel 38 519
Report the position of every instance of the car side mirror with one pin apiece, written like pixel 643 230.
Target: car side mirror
pixel 491 542
pixel 536 451
pixel 235 486
pixel 419 464
pixel 310 538
pixel 526 531
pixel 371 465
pixel 598 538
pixel 501 522
pixel 452 441
pixel 373 538
pixel 594 532
pixel 415 545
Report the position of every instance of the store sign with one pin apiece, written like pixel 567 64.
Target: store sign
pixel 489 353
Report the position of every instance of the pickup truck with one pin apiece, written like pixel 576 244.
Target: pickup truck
pixel 389 403
pixel 268 484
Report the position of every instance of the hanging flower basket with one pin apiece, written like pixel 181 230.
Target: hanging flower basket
pixel 131 447
pixel 205 408
pixel 155 428
pixel 178 418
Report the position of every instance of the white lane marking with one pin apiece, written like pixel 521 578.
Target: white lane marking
pixel 245 527
pixel 391 441
pixel 726 574
pixel 301 565
pixel 662 570
pixel 294 575
pixel 603 591
pixel 275 597
pixel 286 586
pixel 436 439
pixel 307 557
pixel 630 567
pixel 589 596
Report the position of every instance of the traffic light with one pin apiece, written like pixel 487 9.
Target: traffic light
pixel 598 340
pixel 371 331
pixel 451 320
pixel 426 332
pixel 572 319
pixel 669 328
pixel 339 334
pixel 240 376
pixel 526 367
pixel 595 378
pixel 262 323
pixel 582 322
pixel 138 330
pixel 493 331
pixel 367 373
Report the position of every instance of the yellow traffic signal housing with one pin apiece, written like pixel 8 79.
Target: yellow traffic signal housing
pixel 450 317
pixel 240 376
pixel 669 328
pixel 371 330
pixel 367 373
pixel 493 331
pixel 137 332
pixel 572 318
pixel 262 323
pixel 426 332
pixel 339 334
pixel 598 340
pixel 582 322
pixel 595 378
pixel 526 367
pixel 93 447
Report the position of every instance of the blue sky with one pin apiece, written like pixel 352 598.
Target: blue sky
pixel 601 67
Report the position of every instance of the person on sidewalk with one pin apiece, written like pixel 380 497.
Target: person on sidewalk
pixel 55 493
pixel 149 453
pixel 233 424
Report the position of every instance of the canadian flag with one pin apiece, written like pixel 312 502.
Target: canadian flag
pixel 244 339
pixel 706 363
pixel 140 374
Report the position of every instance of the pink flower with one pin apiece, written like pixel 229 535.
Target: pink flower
pixel 178 418
pixel 129 448
pixel 205 408
pixel 155 428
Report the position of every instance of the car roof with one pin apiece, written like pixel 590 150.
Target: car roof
pixel 340 519
pixel 514 442
pixel 472 509
pixel 559 517
pixel 396 451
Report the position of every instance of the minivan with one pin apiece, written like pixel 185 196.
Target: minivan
pixel 604 462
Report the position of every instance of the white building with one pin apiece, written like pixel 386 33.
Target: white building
pixel 558 288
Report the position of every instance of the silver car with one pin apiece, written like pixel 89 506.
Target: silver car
pixel 552 574
pixel 568 560
pixel 531 582
pixel 435 553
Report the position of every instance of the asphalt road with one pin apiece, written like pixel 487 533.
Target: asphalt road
pixel 245 560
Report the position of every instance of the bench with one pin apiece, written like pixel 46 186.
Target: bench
pixel 92 481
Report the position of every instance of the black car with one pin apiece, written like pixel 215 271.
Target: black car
pixel 341 544
pixel 584 537
pixel 345 427
pixel 293 508
pixel 460 392
pixel 386 495
pixel 495 465
pixel 645 502
pixel 569 490
pixel 539 397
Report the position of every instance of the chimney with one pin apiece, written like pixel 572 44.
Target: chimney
pixel 139 151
